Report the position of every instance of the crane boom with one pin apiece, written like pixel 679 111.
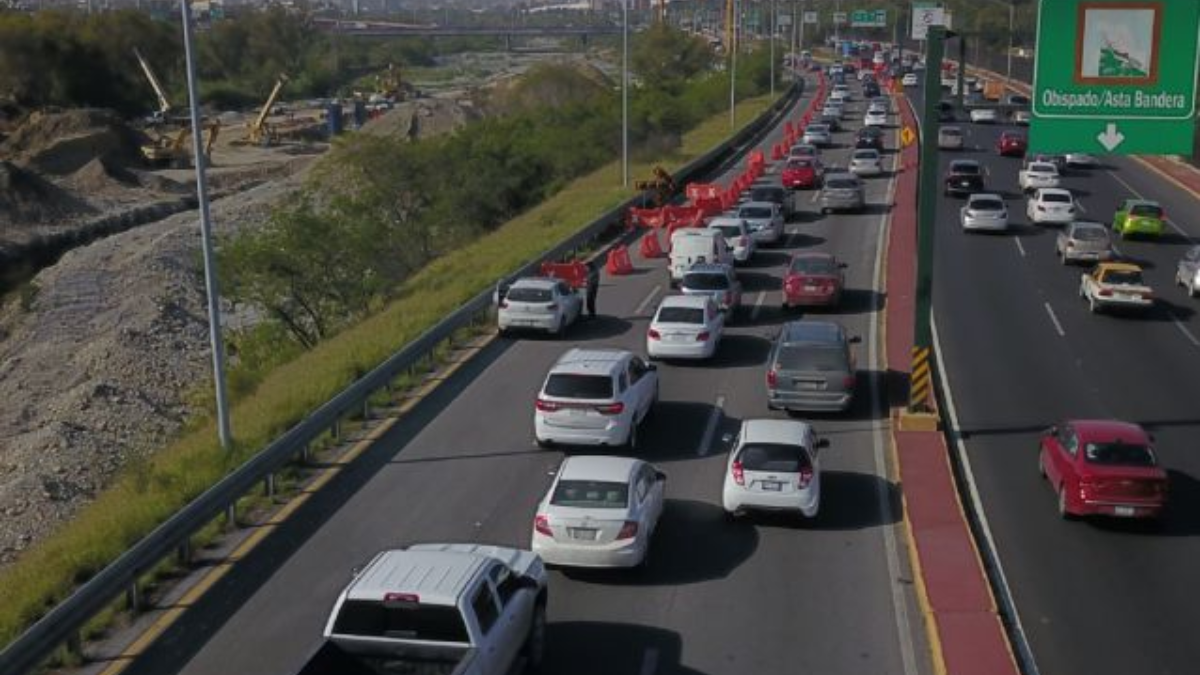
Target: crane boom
pixel 164 105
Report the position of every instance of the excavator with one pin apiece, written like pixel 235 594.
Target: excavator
pixel 169 144
pixel 259 132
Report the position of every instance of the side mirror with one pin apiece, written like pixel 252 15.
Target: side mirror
pixel 660 476
pixel 822 442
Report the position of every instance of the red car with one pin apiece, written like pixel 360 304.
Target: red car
pixel 813 279
pixel 1011 144
pixel 1103 467
pixel 802 172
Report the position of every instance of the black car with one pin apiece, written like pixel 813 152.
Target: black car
pixel 945 111
pixel 774 194
pixel 870 89
pixel 834 121
pixel 869 138
pixel 965 177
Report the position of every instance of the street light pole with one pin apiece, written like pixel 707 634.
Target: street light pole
pixel 1012 11
pixel 206 238
pixel 625 92
pixel 733 50
pixel 774 30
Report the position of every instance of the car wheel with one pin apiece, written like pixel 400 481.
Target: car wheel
pixel 1192 290
pixel 543 443
pixel 1064 511
pixel 535 643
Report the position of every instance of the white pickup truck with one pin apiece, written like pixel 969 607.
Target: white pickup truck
pixel 438 609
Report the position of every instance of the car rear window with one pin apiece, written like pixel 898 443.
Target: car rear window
pixel 1056 197
pixel 773 457
pixel 866 154
pixel 705 281
pixel 1118 454
pixel 1146 211
pixel 810 358
pixel 1123 277
pixel 680 315
pixel 754 212
pixel 1090 233
pixel 767 194
pixel 727 230
pixel 529 295
pixel 1043 168
pixel 987 205
pixel 813 265
pixel 799 164
pixel 372 618
pixel 574 385
pixel 841 184
pixel 590 494
pixel 818 128
pixel 965 169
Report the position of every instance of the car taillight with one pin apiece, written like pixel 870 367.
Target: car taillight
pixel 743 241
pixel 848 382
pixel 1104 293
pixel 544 405
pixel 628 530
pixel 806 476
pixel 503 304
pixel 611 408
pixel 542 524
pixel 702 336
pixel 653 334
pixel 772 378
pixel 1146 295
pixel 739 475
pixel 1041 208
pixel 792 282
pixel 1070 244
pixel 553 305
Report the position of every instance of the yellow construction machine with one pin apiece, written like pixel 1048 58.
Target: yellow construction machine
pixel 260 132
pixel 169 144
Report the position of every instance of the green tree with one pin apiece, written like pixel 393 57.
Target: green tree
pixel 665 58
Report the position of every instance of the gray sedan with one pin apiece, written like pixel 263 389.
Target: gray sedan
pixel 1083 241
pixel 841 192
pixel 818 135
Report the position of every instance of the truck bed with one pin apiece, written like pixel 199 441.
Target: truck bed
pixel 332 660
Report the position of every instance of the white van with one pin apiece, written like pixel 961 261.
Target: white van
pixel 694 246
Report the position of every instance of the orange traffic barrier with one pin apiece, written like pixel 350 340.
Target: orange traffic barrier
pixel 574 272
pixel 645 217
pixel 787 127
pixel 618 260
pixel 649 245
pixel 777 150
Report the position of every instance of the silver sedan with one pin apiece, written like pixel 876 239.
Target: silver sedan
pixel 1083 241
pixel 984 212
pixel 600 511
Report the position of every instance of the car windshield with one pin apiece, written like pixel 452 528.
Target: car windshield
pixel 1123 277
pixel 705 281
pixel 800 164
pixel 727 231
pixel 841 184
pixel 1056 197
pixel 528 294
pixel 573 385
pixel 813 265
pixel 680 315
pixel 1090 233
pixel 769 194
pixel 1118 454
pixel 964 169
pixel 591 494
pixel 810 358
pixel 754 212
pixel 987 205
pixel 1146 211
pixel 776 457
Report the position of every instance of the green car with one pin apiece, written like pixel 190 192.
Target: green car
pixel 1139 216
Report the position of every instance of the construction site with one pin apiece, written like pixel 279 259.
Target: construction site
pixel 103 328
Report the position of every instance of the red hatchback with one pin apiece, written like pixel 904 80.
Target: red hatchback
pixel 1103 467
pixel 1011 144
pixel 813 279
pixel 802 172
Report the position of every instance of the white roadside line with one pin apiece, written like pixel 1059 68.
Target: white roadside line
pixel 1054 319
pixel 649 662
pixel 816 195
pixel 647 300
pixel 1020 246
pixel 1003 592
pixel 1183 329
pixel 904 629
pixel 758 301
pixel 1079 205
pixel 1175 227
pixel 711 428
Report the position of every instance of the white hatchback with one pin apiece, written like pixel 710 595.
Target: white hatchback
pixel 1051 206
pixel 595 397
pixel 774 466
pixel 538 303
pixel 685 327
pixel 875 118
pixel 866 162
pixel 909 80
pixel 599 512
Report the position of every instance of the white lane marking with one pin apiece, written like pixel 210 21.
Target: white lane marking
pixel 1054 318
pixel 1020 247
pixel 904 629
pixel 649 661
pixel 757 305
pixel 1079 205
pixel 1183 329
pixel 711 428
pixel 1023 654
pixel 647 300
pixel 1170 222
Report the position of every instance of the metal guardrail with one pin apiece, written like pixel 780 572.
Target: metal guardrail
pixel 63 624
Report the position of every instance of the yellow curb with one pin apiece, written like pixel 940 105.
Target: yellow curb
pixel 168 618
pixel 917 421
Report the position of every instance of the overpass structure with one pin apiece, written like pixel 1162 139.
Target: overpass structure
pixel 390 29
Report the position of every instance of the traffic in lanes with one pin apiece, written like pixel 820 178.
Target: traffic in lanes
pixel 765 595
pixel 1021 352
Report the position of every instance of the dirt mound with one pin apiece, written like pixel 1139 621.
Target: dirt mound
pixel 100 174
pixel 422 118
pixel 27 199
pixel 61 143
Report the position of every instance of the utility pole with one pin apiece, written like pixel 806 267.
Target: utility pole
pixel 1012 10
pixel 735 20
pixel 625 92
pixel 921 389
pixel 206 238
pixel 962 67
pixel 774 31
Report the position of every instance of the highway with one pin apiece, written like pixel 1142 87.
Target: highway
pixel 1021 352
pixel 768 596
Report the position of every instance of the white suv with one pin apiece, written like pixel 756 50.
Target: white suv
pixel 595 397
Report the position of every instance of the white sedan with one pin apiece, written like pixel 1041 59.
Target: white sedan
pixel 983 116
pixel 685 327
pixel 774 466
pixel 599 512
pixel 538 303
pixel 866 162
pixel 1051 206
pixel 875 118
pixel 1038 175
pixel 909 80
pixel 1082 160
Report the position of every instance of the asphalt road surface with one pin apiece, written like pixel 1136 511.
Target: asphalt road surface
pixel 770 596
pixel 1022 352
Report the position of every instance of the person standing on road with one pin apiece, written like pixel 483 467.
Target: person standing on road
pixel 593 286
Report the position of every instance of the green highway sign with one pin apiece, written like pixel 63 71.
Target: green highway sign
pixel 1115 76
pixel 869 18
